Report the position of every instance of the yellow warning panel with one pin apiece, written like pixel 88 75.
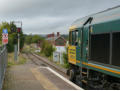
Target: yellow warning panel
pixel 72 54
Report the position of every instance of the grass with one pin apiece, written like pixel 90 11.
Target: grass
pixel 11 61
pixel 43 55
pixel 28 48
pixel 22 60
pixel 66 66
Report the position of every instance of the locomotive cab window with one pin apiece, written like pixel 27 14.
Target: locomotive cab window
pixel 75 38
pixel 70 38
pixel 76 42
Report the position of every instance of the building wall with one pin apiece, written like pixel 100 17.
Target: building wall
pixel 60 49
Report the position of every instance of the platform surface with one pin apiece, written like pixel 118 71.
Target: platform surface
pixel 32 77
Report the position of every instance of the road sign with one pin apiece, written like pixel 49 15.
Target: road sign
pixel 5 36
pixel 5 31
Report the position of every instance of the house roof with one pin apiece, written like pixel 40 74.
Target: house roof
pixel 60 37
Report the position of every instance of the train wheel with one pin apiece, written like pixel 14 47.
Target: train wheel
pixel 114 86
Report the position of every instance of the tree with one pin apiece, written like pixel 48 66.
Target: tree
pixel 12 36
pixel 28 39
pixel 4 25
pixel 47 49
pixel 33 39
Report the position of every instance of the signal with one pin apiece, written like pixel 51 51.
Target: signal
pixel 19 30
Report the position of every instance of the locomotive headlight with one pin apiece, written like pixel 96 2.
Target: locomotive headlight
pixel 87 52
pixel 87 48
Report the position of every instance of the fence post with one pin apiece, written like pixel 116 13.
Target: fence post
pixel 15 52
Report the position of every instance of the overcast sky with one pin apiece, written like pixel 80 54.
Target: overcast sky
pixel 47 16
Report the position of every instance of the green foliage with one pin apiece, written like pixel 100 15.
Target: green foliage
pixel 4 25
pixel 22 40
pixel 33 39
pixel 65 58
pixel 36 38
pixel 22 60
pixel 12 36
pixel 47 49
pixel 28 39
pixel 12 62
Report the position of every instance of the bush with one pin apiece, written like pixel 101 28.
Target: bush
pixel 65 58
pixel 12 36
pixel 47 49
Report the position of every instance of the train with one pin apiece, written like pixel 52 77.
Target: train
pixel 94 50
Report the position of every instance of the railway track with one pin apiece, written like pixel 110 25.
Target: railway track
pixel 40 62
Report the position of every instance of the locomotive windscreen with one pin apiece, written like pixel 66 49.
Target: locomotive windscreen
pixel 99 48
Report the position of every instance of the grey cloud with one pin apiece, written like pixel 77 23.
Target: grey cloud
pixel 46 16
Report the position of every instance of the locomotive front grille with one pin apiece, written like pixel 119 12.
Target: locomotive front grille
pixel 100 48
pixel 105 48
pixel 116 49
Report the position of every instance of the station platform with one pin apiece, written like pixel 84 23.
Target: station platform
pixel 33 77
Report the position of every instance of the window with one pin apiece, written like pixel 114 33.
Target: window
pixel 75 38
pixel 70 38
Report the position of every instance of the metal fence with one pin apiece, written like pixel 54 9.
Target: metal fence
pixel 3 64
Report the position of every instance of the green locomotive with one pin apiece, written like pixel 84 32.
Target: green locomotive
pixel 94 50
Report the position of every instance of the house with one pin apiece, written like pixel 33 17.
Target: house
pixel 51 38
pixel 57 41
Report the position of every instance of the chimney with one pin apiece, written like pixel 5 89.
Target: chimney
pixel 53 35
pixel 58 34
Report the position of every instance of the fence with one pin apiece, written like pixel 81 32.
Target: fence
pixel 3 64
pixel 58 57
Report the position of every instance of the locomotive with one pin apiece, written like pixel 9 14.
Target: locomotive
pixel 94 50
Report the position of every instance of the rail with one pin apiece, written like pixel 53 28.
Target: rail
pixel 3 64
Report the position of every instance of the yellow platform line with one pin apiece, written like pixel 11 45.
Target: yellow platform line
pixel 45 82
